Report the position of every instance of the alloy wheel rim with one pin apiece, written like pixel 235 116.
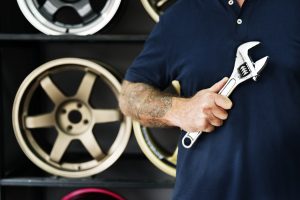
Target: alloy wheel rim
pixel 155 8
pixel 90 20
pixel 23 124
pixel 158 156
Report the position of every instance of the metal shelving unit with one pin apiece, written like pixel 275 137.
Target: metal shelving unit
pixel 1 194
pixel 122 178
pixel 59 182
pixel 1 141
pixel 136 38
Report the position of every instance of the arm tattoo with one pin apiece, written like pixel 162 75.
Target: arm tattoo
pixel 144 103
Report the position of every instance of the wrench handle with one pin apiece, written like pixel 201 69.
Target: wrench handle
pixel 190 138
pixel 228 87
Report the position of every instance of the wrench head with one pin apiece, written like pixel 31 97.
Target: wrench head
pixel 244 48
pixel 245 64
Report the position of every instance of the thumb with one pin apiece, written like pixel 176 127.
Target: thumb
pixel 218 86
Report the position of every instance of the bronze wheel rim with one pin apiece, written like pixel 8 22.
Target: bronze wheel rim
pixel 155 8
pixel 67 130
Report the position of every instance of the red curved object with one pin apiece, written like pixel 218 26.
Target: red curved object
pixel 81 193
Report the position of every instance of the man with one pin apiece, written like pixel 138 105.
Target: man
pixel 255 154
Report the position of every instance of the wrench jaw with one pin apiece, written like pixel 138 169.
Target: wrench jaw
pixel 260 65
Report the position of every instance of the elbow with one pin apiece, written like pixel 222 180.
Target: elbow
pixel 123 102
pixel 123 105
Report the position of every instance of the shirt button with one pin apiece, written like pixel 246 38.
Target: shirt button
pixel 230 2
pixel 239 21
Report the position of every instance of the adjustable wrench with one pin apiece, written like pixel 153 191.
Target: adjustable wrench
pixel 244 69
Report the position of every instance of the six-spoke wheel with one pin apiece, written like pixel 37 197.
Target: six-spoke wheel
pixel 71 118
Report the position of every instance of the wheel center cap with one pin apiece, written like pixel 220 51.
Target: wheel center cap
pixel 74 117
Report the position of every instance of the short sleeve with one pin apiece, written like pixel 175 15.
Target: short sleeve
pixel 150 66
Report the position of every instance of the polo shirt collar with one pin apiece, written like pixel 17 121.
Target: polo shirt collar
pixel 244 11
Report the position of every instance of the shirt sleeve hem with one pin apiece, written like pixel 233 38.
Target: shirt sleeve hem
pixel 136 78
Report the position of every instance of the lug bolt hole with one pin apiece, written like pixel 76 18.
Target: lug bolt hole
pixel 85 121
pixel 79 105
pixel 63 111
pixel 70 128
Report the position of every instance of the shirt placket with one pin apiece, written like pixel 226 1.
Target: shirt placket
pixel 240 18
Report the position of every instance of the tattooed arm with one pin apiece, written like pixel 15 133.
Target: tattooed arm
pixel 154 108
pixel 145 104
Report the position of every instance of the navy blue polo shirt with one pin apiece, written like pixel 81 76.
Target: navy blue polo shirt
pixel 256 154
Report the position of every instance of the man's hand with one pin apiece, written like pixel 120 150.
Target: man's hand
pixel 203 112
pixel 151 107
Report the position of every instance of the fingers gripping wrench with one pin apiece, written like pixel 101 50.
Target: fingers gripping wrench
pixel 244 69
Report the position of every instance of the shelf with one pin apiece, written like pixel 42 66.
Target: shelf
pixel 92 182
pixel 130 171
pixel 138 38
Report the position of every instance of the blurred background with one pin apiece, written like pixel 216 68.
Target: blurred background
pixel 23 48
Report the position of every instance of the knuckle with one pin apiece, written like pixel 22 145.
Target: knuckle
pixel 203 125
pixel 220 114
pixel 216 122
pixel 200 93
pixel 205 107
pixel 207 126
pixel 210 129
pixel 211 118
pixel 225 115
pixel 219 123
pixel 192 129
pixel 209 95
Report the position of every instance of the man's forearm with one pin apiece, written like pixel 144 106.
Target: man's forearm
pixel 203 112
pixel 146 104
